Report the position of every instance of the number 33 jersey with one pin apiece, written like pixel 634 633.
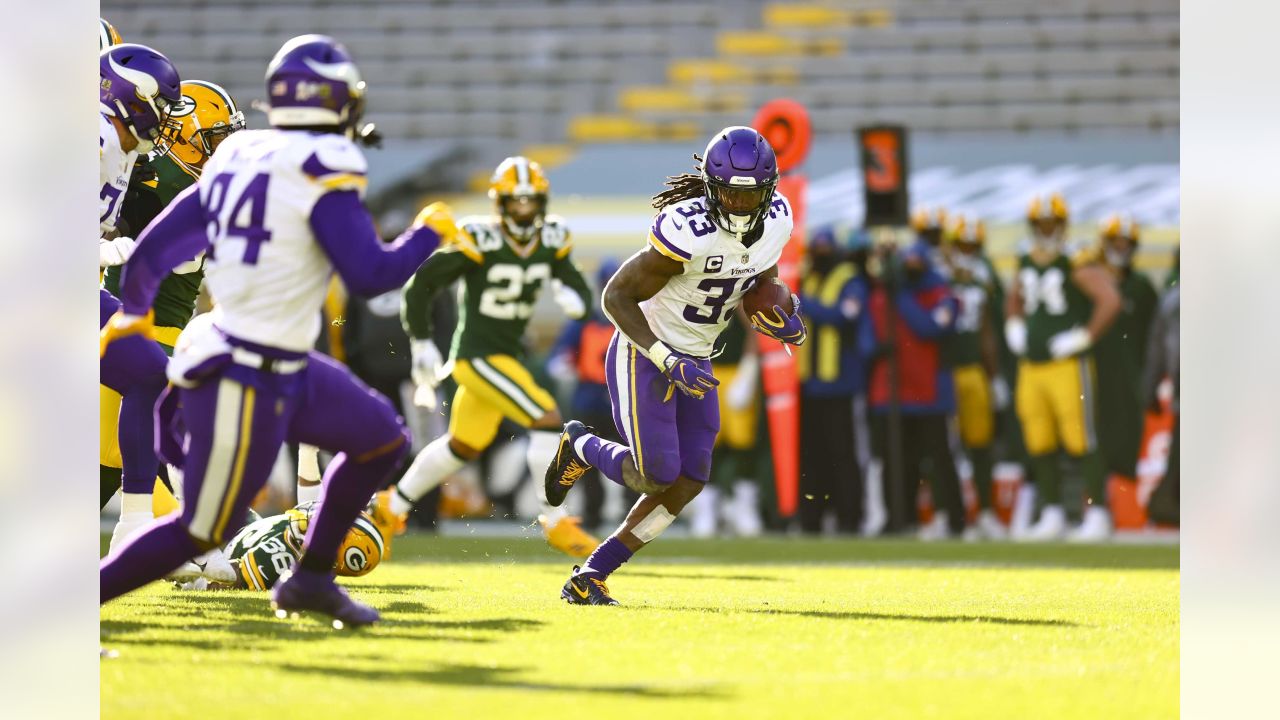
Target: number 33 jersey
pixel 265 270
pixel 691 310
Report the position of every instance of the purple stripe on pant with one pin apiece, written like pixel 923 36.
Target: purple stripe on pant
pixel 668 436
pixel 237 422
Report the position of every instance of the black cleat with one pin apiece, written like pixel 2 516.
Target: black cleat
pixel 565 470
pixel 586 590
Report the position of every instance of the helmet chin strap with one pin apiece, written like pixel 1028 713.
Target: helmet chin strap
pixel 519 231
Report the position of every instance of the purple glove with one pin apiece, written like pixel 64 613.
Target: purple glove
pixel 789 330
pixel 691 379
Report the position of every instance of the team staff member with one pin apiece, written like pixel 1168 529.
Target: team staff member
pixel 911 312
pixel 833 300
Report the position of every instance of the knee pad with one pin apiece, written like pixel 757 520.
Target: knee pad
pixel 653 524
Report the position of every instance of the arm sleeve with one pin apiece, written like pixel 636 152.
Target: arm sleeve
pixel 929 323
pixel 174 237
pixel 438 272
pixel 345 231
pixel 567 271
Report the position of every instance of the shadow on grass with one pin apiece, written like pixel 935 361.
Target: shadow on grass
pixel 458 675
pixel 704 576
pixel 390 588
pixel 912 617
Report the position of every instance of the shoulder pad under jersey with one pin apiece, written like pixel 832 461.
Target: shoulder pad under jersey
pixel 556 236
pixel 682 230
pixel 335 163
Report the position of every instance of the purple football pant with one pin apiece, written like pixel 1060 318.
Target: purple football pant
pixel 670 434
pixel 134 367
pixel 237 421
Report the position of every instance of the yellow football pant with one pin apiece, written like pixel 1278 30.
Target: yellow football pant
pixel 737 427
pixel 162 501
pixel 489 389
pixel 1055 402
pixel 974 410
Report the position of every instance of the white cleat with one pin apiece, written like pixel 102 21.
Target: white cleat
pixel 185 573
pixel 935 530
pixel 128 526
pixel 742 512
pixel 990 527
pixel 1051 527
pixel 702 516
pixel 1095 527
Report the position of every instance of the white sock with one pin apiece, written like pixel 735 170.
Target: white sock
pixel 435 463
pixel 580 445
pixel 308 493
pixel 135 503
pixel 309 462
pixel 542 452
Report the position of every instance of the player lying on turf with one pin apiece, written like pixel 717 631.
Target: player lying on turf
pixel 267 549
pixel 717 233
pixel 504 260
pixel 279 211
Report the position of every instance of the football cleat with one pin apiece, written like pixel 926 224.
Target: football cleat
pixel 990 527
pixel 586 590
pixel 568 537
pixel 303 591
pixel 387 520
pixel 1094 527
pixel 1051 526
pixel 567 468
pixel 215 567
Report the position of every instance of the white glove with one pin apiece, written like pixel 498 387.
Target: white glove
pixel 1015 335
pixel 568 300
pixel 742 390
pixel 426 363
pixel 1070 342
pixel 560 368
pixel 999 393
pixel 115 252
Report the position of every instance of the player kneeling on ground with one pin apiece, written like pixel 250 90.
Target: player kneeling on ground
pixel 717 234
pixel 279 211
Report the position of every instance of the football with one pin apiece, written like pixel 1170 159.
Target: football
pixel 767 294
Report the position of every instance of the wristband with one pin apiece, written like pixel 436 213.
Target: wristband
pixel 659 353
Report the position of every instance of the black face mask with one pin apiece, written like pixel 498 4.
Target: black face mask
pixel 823 262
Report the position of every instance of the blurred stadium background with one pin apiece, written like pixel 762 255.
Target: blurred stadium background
pixel 1003 100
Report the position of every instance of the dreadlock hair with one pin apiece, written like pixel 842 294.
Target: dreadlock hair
pixel 684 186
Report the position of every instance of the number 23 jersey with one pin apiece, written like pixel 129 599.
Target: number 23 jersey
pixel 265 270
pixel 691 310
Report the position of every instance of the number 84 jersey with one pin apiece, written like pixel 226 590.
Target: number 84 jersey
pixel 691 310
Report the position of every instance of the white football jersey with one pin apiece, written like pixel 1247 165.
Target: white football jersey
pixel 267 274
pixel 114 167
pixel 691 310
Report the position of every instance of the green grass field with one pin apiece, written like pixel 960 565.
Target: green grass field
pixel 710 629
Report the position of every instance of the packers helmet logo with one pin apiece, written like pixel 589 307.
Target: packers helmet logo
pixel 355 560
pixel 185 106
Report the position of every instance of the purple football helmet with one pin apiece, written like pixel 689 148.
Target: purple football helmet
pixel 740 173
pixel 313 82
pixel 140 87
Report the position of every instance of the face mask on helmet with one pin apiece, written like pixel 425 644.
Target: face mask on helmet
pixel 522 214
pixel 738 208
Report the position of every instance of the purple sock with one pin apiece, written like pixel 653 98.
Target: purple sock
pixel 137 435
pixel 147 556
pixel 348 485
pixel 608 557
pixel 607 456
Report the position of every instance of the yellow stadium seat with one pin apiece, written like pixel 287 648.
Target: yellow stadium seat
pixel 787 15
pixel 651 97
pixel 549 155
pixel 688 72
pixel 609 128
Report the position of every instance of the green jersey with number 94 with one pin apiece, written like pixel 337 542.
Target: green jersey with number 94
pixel 501 280
pixel 1051 302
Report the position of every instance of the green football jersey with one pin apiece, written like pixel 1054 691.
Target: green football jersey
pixel 1051 302
pixel 175 301
pixel 500 284
pixel 267 548
pixel 973 290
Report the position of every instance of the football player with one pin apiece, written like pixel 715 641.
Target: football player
pixel 267 549
pixel 1058 307
pixel 279 210
pixel 139 88
pixel 716 234
pixel 504 261
pixel 204 116
pixel 973 353
pixel 930 226
pixel 1121 354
